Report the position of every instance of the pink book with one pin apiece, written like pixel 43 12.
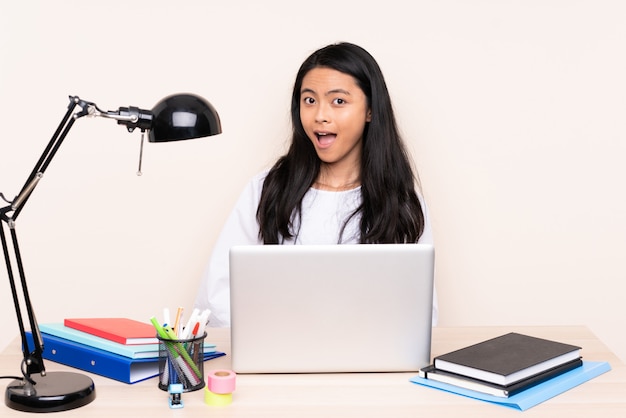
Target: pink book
pixel 121 330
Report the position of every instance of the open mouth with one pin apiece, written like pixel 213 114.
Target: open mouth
pixel 325 139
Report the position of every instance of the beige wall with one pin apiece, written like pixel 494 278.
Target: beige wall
pixel 515 112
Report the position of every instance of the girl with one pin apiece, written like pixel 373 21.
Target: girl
pixel 346 178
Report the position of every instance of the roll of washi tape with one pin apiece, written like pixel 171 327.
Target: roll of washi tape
pixel 221 382
pixel 217 399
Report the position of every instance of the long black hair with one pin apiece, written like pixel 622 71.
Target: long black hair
pixel 390 211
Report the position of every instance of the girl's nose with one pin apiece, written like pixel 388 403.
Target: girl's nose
pixel 322 114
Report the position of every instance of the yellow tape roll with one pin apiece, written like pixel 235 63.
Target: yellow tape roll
pixel 217 399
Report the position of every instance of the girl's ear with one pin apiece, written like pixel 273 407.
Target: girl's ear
pixel 369 116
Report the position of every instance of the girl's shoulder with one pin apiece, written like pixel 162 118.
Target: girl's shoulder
pixel 258 179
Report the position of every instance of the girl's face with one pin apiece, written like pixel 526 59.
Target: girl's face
pixel 333 112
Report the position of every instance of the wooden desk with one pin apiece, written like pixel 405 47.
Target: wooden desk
pixel 347 395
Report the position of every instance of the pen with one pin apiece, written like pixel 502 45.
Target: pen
pixel 186 332
pixel 165 376
pixel 159 328
pixel 177 321
pixel 204 320
pixel 166 316
pixel 197 347
pixel 196 327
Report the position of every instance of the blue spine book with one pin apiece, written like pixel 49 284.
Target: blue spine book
pixel 101 362
pixel 534 395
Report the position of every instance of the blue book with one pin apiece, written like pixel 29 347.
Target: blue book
pixel 138 351
pixel 101 362
pixel 533 396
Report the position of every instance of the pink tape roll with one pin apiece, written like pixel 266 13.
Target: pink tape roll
pixel 221 381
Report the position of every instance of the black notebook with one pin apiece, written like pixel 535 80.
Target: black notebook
pixel 507 359
pixel 491 388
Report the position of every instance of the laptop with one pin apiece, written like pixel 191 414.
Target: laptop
pixel 331 308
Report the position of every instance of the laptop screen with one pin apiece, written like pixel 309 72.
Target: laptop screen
pixel 331 308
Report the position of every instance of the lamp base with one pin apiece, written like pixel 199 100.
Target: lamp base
pixel 56 391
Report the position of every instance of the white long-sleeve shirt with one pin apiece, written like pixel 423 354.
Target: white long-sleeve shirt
pixel 323 215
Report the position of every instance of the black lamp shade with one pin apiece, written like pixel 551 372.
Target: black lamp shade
pixel 183 116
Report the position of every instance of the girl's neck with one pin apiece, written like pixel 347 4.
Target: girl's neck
pixel 336 181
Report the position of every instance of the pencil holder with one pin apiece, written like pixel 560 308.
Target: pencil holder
pixel 181 361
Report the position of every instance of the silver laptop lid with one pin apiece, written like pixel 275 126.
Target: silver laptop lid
pixel 331 308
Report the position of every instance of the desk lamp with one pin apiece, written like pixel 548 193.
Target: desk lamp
pixel 176 117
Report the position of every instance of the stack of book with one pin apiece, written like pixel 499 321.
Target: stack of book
pixel 510 367
pixel 118 348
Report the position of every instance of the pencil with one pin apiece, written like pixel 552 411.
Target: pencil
pixel 179 315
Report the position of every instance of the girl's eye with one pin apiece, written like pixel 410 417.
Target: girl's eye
pixel 339 101
pixel 309 100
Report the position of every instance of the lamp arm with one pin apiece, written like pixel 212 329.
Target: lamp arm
pixel 132 117
pixel 42 164
pixel 33 360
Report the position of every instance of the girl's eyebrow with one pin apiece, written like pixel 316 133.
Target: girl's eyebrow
pixel 341 91
pixel 334 91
